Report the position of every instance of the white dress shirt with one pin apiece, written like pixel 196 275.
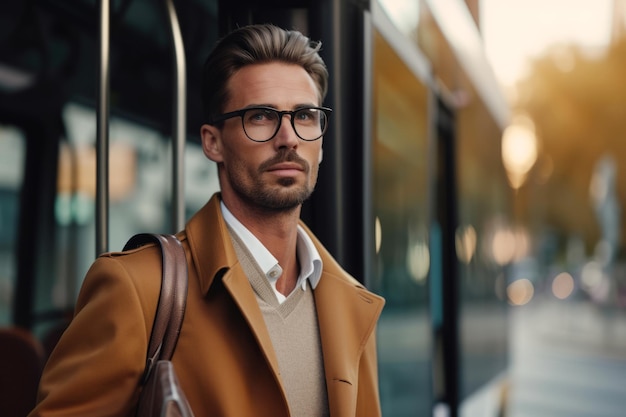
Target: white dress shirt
pixel 308 257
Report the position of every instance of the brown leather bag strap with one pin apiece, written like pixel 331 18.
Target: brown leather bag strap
pixel 172 299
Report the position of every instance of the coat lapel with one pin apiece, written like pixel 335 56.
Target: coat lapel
pixel 239 288
pixel 347 315
pixel 214 257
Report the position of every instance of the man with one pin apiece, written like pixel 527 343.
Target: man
pixel 273 326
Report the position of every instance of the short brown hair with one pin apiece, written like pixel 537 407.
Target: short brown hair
pixel 256 44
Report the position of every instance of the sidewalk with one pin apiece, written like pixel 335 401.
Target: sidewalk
pixel 568 359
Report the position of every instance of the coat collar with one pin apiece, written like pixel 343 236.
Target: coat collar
pixel 209 243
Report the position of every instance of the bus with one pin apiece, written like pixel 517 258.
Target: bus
pixel 99 139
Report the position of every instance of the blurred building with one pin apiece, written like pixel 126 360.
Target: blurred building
pixel 619 20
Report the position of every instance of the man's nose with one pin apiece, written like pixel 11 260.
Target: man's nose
pixel 286 135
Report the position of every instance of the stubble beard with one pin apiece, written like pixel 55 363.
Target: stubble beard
pixel 283 196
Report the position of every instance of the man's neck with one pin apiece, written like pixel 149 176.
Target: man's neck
pixel 278 232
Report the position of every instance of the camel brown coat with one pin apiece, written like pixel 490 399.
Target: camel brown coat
pixel 224 358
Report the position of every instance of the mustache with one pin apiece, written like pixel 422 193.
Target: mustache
pixel 285 155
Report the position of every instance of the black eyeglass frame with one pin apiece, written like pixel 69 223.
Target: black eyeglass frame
pixel 281 113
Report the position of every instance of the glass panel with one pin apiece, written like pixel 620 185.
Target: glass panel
pixel 139 195
pixel 12 153
pixel 402 261
pixel 485 239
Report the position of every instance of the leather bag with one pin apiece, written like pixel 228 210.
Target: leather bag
pixel 161 395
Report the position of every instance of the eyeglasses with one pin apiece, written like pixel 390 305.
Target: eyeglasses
pixel 261 124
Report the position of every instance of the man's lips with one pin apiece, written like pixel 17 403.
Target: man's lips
pixel 285 164
pixel 286 168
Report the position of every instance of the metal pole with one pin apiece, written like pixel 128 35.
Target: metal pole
pixel 179 121
pixel 102 138
pixel 369 234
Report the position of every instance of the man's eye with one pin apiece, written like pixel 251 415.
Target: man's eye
pixel 261 115
pixel 306 114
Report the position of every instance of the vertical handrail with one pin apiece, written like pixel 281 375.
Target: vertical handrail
pixel 102 139
pixel 102 133
pixel 178 123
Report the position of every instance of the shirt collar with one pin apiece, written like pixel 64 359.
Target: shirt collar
pixel 308 256
pixel 310 259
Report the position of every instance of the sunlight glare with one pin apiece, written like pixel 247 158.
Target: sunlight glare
pixel 515 31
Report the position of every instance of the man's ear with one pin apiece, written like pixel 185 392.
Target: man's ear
pixel 321 156
pixel 211 142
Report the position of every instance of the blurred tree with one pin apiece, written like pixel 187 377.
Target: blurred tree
pixel 578 104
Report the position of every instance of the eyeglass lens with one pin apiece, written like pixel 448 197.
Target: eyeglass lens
pixel 263 124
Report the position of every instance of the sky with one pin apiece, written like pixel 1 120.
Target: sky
pixel 516 30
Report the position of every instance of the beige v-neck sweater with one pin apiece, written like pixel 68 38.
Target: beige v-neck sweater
pixel 294 331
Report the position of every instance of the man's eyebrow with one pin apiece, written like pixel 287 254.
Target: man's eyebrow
pixel 259 105
pixel 304 105
pixel 272 106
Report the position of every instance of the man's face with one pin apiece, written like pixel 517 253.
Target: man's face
pixel 276 175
